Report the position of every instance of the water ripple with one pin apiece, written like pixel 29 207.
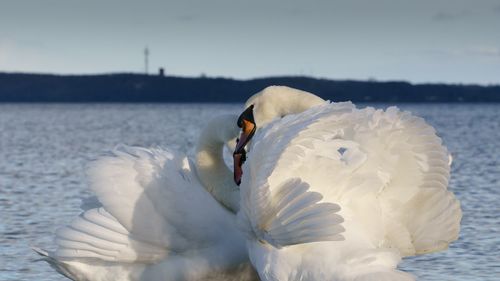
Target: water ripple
pixel 46 147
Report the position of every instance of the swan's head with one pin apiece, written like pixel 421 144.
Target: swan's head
pixel 278 101
pixel 263 107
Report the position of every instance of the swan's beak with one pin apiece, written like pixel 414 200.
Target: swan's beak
pixel 238 160
pixel 247 124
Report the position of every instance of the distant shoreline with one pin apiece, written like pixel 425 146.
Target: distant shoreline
pixel 140 88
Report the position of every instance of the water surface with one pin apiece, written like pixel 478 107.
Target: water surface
pixel 44 149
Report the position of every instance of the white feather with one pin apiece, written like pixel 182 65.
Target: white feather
pixel 154 220
pixel 386 170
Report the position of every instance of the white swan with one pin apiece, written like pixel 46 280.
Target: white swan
pixel 154 220
pixel 368 186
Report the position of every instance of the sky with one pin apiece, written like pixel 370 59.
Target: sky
pixel 451 41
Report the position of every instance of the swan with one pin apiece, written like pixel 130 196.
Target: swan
pixel 337 192
pixel 158 216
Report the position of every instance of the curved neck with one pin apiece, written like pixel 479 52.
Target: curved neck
pixel 215 176
pixel 279 101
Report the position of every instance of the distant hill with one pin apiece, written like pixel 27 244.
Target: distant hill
pixel 16 87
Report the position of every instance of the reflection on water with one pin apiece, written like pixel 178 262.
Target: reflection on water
pixel 44 150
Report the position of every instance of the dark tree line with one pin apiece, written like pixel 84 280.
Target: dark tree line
pixel 148 88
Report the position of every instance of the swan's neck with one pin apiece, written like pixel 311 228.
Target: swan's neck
pixel 212 171
pixel 278 101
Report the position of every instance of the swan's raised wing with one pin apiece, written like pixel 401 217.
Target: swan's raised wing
pixel 152 205
pixel 285 211
pixel 387 169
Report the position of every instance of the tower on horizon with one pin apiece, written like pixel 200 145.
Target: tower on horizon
pixel 146 60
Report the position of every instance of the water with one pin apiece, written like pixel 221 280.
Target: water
pixel 44 149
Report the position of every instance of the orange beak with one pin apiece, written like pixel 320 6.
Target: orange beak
pixel 247 132
pixel 238 159
pixel 247 124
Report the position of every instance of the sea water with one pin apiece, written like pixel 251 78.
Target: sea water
pixel 45 148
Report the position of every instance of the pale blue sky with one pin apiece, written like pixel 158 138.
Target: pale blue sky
pixel 420 41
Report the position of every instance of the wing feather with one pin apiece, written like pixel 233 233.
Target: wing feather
pixel 291 215
pixel 150 204
pixel 96 234
pixel 156 196
pixel 390 160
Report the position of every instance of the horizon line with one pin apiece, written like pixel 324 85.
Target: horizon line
pixel 205 76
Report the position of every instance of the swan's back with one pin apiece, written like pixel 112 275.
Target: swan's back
pixel 388 170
